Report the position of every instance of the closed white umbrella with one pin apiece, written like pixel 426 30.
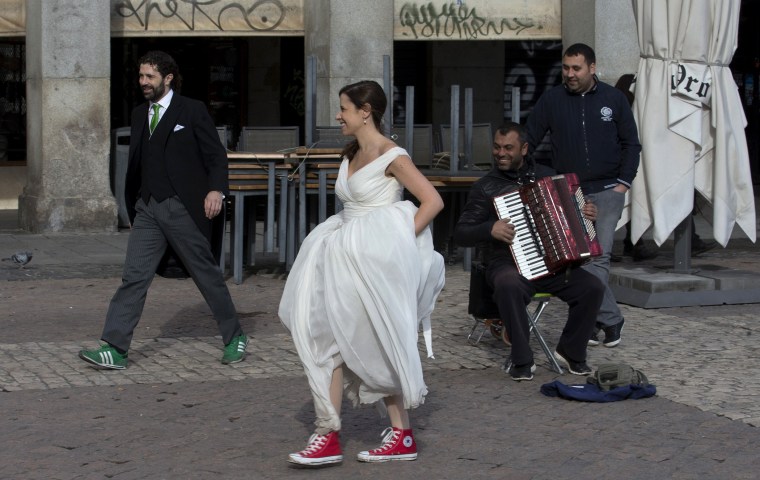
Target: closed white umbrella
pixel 690 119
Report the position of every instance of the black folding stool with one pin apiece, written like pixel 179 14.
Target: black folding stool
pixel 485 314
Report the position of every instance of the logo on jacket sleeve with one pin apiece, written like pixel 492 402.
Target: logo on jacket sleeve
pixel 606 114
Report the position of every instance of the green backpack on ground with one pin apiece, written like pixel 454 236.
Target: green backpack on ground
pixel 612 375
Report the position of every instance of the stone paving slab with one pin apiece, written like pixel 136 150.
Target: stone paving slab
pixel 44 365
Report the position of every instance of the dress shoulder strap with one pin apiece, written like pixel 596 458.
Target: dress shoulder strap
pixel 389 156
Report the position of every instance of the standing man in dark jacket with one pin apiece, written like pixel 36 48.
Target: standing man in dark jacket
pixel 176 181
pixel 594 135
pixel 479 225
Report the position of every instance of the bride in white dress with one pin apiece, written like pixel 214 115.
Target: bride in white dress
pixel 363 283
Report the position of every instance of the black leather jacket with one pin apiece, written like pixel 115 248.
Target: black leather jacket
pixel 476 221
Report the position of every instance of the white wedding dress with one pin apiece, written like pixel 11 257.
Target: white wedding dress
pixel 359 289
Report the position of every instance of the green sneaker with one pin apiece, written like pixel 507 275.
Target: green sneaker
pixel 105 357
pixel 234 351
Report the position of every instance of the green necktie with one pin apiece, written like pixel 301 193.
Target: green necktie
pixel 154 120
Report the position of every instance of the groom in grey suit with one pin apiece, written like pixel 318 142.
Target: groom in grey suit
pixel 176 182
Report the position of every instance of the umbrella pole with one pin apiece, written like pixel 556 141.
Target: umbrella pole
pixel 682 247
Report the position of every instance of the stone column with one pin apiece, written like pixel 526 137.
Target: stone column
pixel 68 68
pixel 607 26
pixel 348 39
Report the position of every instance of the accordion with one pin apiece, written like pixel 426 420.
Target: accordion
pixel 551 232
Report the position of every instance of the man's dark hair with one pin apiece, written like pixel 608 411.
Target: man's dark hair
pixel 581 49
pixel 164 64
pixel 507 127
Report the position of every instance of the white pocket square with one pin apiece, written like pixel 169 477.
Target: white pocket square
pixel 178 127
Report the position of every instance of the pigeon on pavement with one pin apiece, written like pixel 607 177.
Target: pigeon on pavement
pixel 20 258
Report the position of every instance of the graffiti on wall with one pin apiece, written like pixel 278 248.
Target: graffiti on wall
pixel 238 17
pixel 413 20
pixel 477 20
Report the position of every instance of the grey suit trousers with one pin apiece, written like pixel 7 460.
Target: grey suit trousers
pixel 156 225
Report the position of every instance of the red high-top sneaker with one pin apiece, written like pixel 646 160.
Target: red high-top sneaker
pixel 397 445
pixel 321 450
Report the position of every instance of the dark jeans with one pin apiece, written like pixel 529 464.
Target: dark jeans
pixel 582 291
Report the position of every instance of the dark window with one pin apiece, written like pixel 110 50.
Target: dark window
pixel 12 101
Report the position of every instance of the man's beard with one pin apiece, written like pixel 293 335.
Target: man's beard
pixel 155 93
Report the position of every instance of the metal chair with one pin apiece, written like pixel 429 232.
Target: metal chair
pixel 329 137
pixel 268 139
pixel 422 145
pixel 315 179
pixel 482 144
pixel 313 175
pixel 320 180
pixel 484 314
pixel 224 136
pixel 252 176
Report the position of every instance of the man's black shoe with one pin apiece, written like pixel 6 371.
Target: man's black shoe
pixel 576 368
pixel 612 334
pixel 700 246
pixel 641 252
pixel 523 372
pixel 627 247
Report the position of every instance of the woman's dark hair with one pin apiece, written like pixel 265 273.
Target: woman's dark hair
pixel 165 65
pixel 624 85
pixel 366 92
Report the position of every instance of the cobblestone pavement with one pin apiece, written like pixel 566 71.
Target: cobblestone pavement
pixel 176 412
